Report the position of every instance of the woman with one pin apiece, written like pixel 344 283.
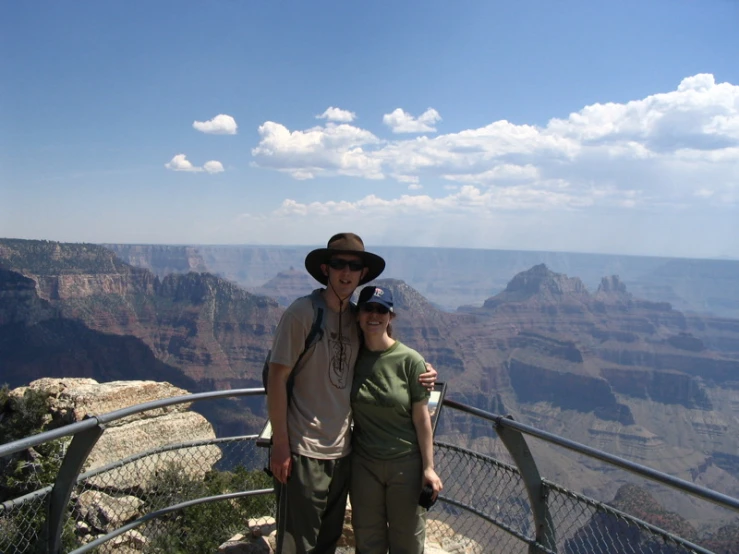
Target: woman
pixel 392 444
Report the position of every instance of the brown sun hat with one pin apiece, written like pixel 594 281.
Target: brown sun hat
pixel 343 243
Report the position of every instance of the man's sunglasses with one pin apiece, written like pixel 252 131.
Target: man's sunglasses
pixel 374 308
pixel 339 264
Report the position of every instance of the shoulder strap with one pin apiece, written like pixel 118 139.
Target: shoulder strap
pixel 316 329
pixel 315 334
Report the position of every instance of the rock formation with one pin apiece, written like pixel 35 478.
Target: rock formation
pixel 631 376
pixel 126 465
pixel 288 285
pixel 452 277
pixel 209 329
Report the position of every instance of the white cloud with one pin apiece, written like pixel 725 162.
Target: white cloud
pixel 221 124
pixel 415 186
pixel 656 151
pixel 401 121
pixel 213 166
pixel 338 115
pixel 329 150
pixel 180 163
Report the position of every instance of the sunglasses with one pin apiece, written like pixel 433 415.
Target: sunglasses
pixel 374 308
pixel 339 264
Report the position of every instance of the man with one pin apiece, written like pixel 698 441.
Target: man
pixel 311 436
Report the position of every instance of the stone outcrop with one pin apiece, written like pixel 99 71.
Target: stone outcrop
pixel 137 459
pixel 72 400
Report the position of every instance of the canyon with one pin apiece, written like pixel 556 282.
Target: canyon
pixel 590 360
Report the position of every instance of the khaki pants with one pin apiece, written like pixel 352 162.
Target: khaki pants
pixel 311 506
pixel 385 511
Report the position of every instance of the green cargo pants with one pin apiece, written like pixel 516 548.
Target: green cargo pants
pixel 311 506
pixel 385 511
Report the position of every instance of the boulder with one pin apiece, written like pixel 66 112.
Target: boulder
pixel 74 399
pixel 107 513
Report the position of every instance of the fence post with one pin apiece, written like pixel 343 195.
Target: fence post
pixel 77 453
pixel 519 450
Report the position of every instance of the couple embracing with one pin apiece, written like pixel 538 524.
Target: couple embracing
pixel 356 372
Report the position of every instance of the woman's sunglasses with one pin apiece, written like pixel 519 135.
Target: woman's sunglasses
pixel 339 264
pixel 374 308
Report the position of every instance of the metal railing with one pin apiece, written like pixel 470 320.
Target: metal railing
pixel 190 494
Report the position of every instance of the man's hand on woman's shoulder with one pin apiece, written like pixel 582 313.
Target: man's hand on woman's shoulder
pixel 428 379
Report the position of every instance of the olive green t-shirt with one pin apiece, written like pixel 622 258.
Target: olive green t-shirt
pixel 384 390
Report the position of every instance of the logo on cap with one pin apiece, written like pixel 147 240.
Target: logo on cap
pixel 378 291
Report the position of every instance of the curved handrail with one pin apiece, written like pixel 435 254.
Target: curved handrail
pixel 94 421
pixel 164 511
pixel 503 425
pixel 638 469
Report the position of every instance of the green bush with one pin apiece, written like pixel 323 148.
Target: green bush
pixel 202 528
pixel 23 527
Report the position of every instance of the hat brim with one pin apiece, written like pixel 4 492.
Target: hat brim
pixel 375 264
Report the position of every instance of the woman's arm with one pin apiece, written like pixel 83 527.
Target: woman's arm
pixel 422 423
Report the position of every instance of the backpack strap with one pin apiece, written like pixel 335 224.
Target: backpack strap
pixel 315 334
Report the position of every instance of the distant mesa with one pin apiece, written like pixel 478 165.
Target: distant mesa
pixel 405 297
pixel 541 284
pixel 288 285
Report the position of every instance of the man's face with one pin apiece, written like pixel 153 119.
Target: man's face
pixel 344 272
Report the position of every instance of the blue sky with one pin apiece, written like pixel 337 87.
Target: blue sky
pixel 561 125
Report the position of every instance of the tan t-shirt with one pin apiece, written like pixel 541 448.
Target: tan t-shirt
pixel 319 415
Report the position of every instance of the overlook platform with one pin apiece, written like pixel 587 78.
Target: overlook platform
pixel 89 487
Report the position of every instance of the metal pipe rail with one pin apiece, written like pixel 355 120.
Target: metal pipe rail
pixel 523 480
pixel 502 422
pixel 94 421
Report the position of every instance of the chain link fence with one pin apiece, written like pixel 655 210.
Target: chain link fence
pixel 21 524
pixel 107 498
pixel 484 506
pixel 583 526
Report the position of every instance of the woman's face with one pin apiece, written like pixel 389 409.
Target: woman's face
pixel 373 319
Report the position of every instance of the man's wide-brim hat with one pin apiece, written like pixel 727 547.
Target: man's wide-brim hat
pixel 343 243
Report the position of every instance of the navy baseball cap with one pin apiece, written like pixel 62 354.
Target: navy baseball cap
pixel 376 295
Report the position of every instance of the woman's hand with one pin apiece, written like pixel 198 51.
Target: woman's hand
pixel 430 478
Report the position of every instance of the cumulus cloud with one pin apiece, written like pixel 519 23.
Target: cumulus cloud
pixel 670 148
pixel 213 166
pixel 180 163
pixel 337 115
pixel 324 150
pixel 221 124
pixel 401 121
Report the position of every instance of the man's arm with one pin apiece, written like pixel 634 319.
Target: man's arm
pixel 280 461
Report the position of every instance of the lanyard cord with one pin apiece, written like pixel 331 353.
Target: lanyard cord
pixel 341 326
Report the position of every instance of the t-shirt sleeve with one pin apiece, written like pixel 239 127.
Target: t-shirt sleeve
pixel 289 339
pixel 417 391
